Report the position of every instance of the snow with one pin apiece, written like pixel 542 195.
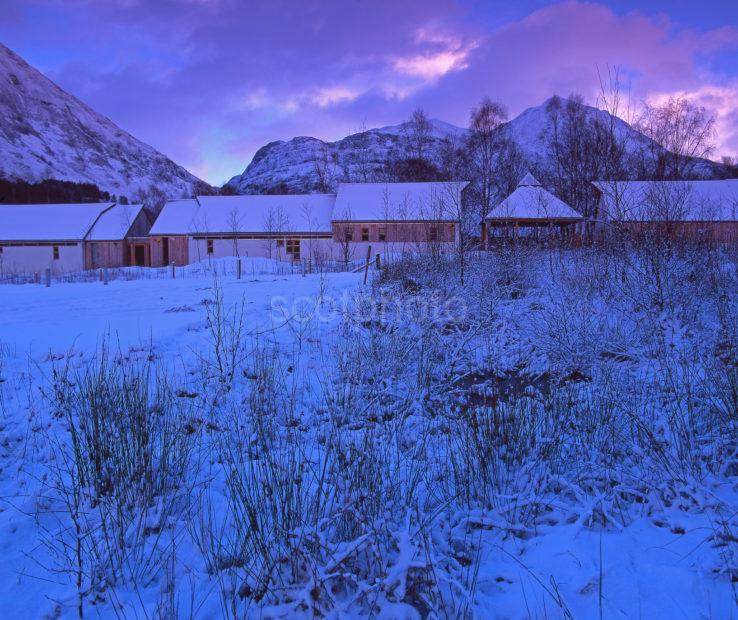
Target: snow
pixel 398 201
pixel 586 515
pixel 531 201
pixel 114 224
pixel 246 214
pixel 301 212
pixel 529 180
pixel 47 133
pixel 49 222
pixel 176 217
pixel 438 129
pixel 695 201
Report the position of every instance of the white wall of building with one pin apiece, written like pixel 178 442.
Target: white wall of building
pixel 17 259
pixel 318 249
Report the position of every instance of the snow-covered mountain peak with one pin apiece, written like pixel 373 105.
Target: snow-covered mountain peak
pixel 47 133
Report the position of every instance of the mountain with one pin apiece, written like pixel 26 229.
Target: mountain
pixel 302 164
pixel 297 165
pixel 47 133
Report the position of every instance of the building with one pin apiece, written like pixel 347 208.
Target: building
pixel 531 212
pixel 396 218
pixel 286 227
pixel 67 237
pixel 688 210
pixel 392 217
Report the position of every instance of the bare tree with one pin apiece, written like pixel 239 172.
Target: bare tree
pixel 417 135
pixel 344 235
pixel 234 226
pixel 454 207
pixel 325 165
pixel 358 162
pixel 275 224
pixel 578 147
pixel 681 134
pixel 483 146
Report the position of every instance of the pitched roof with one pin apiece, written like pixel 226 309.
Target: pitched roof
pixel 246 214
pixel 49 222
pixel 176 217
pixel 530 180
pixel 530 201
pixel 398 201
pixel 114 224
pixel 658 201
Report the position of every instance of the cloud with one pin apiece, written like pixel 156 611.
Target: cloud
pixel 448 53
pixel 210 81
pixel 721 102
pixel 330 95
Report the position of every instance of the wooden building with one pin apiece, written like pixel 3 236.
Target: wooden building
pixel 397 218
pixel 532 213
pixel 67 237
pixel 288 227
pixel 392 217
pixel 682 210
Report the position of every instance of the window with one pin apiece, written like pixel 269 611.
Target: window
pixel 210 246
pixel 55 252
pixel 382 233
pixel 293 247
pixel 1 249
pixel 349 234
pixel 433 234
pixel 364 233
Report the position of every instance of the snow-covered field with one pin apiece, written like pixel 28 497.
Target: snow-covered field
pixel 556 437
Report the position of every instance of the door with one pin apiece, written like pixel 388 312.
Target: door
pixel 165 249
pixel 139 255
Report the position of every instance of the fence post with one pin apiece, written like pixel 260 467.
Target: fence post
pixel 48 277
pixel 172 269
pixel 238 269
pixel 366 266
pixel 100 274
pixel 36 278
pixel 378 264
pixel 105 276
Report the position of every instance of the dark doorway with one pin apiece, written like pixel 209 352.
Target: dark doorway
pixel 139 255
pixel 165 249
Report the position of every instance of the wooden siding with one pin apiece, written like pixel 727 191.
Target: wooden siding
pixel 714 232
pixel 178 251
pixel 395 232
pixel 99 254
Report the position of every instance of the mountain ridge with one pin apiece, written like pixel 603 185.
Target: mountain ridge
pixel 293 165
pixel 47 133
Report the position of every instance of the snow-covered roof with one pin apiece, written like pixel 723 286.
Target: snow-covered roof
pixel 529 181
pixel 658 201
pixel 49 222
pixel 530 201
pixel 114 224
pixel 246 214
pixel 176 217
pixel 368 202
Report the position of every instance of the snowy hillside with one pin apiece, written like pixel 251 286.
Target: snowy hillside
pixel 47 133
pixel 291 166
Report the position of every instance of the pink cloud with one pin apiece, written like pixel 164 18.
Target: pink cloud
pixel 208 82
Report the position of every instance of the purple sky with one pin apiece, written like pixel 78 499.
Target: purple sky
pixel 209 81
